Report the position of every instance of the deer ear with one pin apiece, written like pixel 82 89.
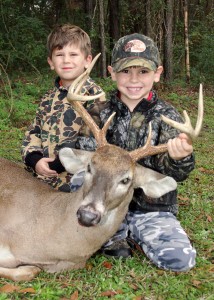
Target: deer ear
pixel 153 183
pixel 74 160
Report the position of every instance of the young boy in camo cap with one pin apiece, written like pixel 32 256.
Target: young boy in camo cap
pixel 150 224
pixel 56 123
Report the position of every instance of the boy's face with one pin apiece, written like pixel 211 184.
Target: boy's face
pixel 135 83
pixel 69 63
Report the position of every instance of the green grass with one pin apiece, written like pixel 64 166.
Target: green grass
pixel 135 278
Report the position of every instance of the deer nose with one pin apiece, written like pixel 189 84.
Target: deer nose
pixel 88 218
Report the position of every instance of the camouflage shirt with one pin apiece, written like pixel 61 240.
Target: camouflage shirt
pixel 55 124
pixel 129 130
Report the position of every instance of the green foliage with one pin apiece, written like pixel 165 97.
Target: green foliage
pixel 23 39
pixel 202 57
pixel 201 44
pixel 106 84
pixel 20 108
pixel 17 112
pixel 25 25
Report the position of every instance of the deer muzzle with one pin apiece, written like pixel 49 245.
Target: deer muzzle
pixel 87 216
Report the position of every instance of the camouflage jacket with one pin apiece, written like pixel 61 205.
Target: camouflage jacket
pixel 129 130
pixel 55 124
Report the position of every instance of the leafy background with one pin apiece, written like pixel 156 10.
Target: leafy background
pixel 24 78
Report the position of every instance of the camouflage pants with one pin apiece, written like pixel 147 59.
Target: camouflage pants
pixel 161 237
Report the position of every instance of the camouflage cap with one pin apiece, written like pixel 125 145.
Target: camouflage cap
pixel 135 50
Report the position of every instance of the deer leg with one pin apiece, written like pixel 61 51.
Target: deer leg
pixel 22 273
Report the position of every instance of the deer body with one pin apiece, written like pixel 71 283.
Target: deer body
pixel 56 231
pixel 40 225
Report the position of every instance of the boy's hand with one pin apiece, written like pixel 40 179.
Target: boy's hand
pixel 180 147
pixel 42 167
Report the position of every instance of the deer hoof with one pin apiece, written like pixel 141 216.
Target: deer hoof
pixel 25 273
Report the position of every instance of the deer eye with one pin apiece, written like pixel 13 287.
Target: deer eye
pixel 125 180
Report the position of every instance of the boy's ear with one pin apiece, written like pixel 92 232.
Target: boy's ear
pixel 110 69
pixel 88 61
pixel 158 74
pixel 50 63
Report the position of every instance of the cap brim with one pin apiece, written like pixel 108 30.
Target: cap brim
pixel 134 62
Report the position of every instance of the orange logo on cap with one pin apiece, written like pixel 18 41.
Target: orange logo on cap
pixel 135 46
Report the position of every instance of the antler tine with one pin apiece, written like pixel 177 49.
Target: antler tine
pixel 74 96
pixel 199 122
pixel 148 149
pixel 99 134
pixel 107 123
pixel 76 86
pixel 186 127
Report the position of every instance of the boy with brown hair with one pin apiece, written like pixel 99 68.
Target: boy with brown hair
pixel 56 123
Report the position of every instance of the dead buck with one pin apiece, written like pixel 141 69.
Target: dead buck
pixel 44 229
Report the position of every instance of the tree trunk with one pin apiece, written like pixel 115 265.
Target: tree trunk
pixel 186 40
pixel 58 10
pixel 209 6
pixel 168 47
pixel 148 19
pixel 102 39
pixel 89 10
pixel 114 20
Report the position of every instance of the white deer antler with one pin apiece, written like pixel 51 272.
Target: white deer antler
pixel 148 149
pixel 76 86
pixel 187 126
pixel 74 96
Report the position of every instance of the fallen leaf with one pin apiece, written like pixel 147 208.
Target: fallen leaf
pixel 111 293
pixel 209 218
pixel 107 264
pixel 108 293
pixel 203 170
pixel 161 272
pixel 65 285
pixel 27 290
pixel 74 296
pixel 134 286
pixel 132 273
pixel 89 266
pixel 9 288
pixel 183 198
pixel 196 283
